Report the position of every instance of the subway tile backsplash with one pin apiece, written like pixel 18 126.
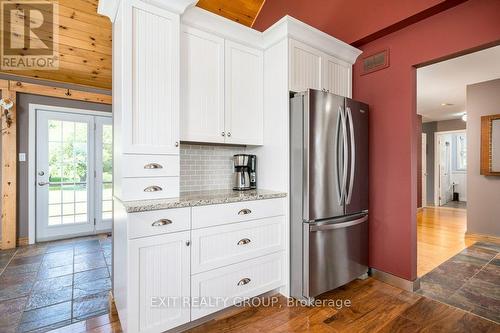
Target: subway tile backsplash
pixel 207 167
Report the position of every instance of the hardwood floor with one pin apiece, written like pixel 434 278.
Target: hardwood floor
pixel 440 235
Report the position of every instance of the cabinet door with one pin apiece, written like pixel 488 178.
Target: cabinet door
pixel 244 94
pixel 306 65
pixel 202 82
pixel 160 282
pixel 337 76
pixel 151 122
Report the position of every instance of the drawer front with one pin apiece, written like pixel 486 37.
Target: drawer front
pixel 158 222
pixel 228 244
pixel 150 165
pixel 250 278
pixel 149 188
pixel 206 216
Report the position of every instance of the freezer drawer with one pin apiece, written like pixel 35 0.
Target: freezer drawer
pixel 336 253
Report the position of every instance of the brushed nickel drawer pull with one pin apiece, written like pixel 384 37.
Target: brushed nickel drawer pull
pixel 243 241
pixel 150 166
pixel 244 281
pixel 161 222
pixel 244 211
pixel 153 188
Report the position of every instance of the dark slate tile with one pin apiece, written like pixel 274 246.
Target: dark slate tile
pixel 18 261
pixel 42 317
pixel 11 312
pixel 43 298
pixel 481 293
pixel 57 259
pixel 94 256
pixel 92 287
pixel 53 327
pixel 47 272
pixel 31 250
pixel 21 269
pixel 89 264
pixel 60 247
pixel 479 252
pixel 87 247
pixel 90 306
pixel 436 291
pixel 9 280
pixel 467 260
pixel 485 313
pixel 490 273
pixel 15 291
pixel 87 276
pixel 53 283
pixel 486 245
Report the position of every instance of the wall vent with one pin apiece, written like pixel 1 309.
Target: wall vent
pixel 375 62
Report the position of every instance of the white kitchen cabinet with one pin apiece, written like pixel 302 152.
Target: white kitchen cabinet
pixel 306 67
pixel 151 111
pixel 202 86
pixel 311 68
pixel 244 111
pixel 160 267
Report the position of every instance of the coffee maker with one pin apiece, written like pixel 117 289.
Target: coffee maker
pixel 245 172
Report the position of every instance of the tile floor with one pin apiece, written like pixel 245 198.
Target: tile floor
pixel 456 204
pixel 54 284
pixel 470 281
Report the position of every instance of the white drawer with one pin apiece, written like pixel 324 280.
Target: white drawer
pixel 219 288
pixel 206 216
pixel 150 165
pixel 149 188
pixel 228 244
pixel 158 222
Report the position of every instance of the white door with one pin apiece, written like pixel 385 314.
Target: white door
pixel 66 179
pixel 104 173
pixel 424 169
pixel 244 114
pixel 202 80
pixel 445 188
pixel 160 268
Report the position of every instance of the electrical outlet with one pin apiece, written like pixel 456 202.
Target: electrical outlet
pixel 22 157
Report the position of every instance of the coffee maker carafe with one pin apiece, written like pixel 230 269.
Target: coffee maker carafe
pixel 245 177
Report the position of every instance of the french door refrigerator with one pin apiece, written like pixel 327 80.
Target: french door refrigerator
pixel 328 192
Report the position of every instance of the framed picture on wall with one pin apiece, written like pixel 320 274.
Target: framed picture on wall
pixel 490 145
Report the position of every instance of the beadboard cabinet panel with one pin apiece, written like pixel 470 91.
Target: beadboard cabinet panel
pixel 162 270
pixel 152 125
pixel 244 94
pixel 202 86
pixel 306 67
pixel 337 76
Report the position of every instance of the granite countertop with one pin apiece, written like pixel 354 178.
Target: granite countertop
pixel 201 198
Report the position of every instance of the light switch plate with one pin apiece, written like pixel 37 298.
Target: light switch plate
pixel 22 157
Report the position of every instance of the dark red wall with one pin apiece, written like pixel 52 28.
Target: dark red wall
pixel 394 136
pixel 347 20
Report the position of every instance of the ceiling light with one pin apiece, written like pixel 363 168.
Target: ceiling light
pixel 446 104
pixel 464 117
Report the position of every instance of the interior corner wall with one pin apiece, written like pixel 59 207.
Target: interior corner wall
pixel 429 129
pixel 483 195
pixel 391 94
pixel 22 109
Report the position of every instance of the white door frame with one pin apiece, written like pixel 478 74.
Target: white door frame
pixel 33 108
pixel 437 160
pixel 424 169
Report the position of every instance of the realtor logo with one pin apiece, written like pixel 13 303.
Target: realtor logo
pixel 29 38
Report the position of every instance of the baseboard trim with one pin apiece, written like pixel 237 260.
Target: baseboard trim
pixel 395 281
pixel 482 237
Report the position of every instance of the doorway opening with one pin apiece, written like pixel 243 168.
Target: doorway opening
pixel 73 173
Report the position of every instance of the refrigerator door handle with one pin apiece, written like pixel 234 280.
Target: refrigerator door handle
pixel 344 153
pixel 337 171
pixel 332 226
pixel 353 155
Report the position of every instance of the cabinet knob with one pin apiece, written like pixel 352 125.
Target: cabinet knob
pixel 161 222
pixel 243 241
pixel 153 166
pixel 223 134
pixel 244 211
pixel 229 134
pixel 153 188
pixel 188 243
pixel 243 281
pixel 177 143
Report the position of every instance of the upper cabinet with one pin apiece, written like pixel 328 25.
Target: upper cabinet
pixel 222 90
pixel 244 94
pixel 312 68
pixel 202 86
pixel 153 126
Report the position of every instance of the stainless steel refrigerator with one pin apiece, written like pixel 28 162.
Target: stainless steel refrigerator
pixel 328 192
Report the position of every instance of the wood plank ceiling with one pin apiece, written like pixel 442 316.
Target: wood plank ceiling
pixel 85 39
pixel 241 11
pixel 84 47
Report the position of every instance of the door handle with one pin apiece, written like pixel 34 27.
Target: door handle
pixel 43 183
pixel 244 241
pixel 161 222
pixel 244 281
pixel 153 166
pixel 244 211
pixel 353 155
pixel 153 189
pixel 330 226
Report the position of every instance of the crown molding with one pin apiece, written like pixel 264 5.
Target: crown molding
pixel 108 8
